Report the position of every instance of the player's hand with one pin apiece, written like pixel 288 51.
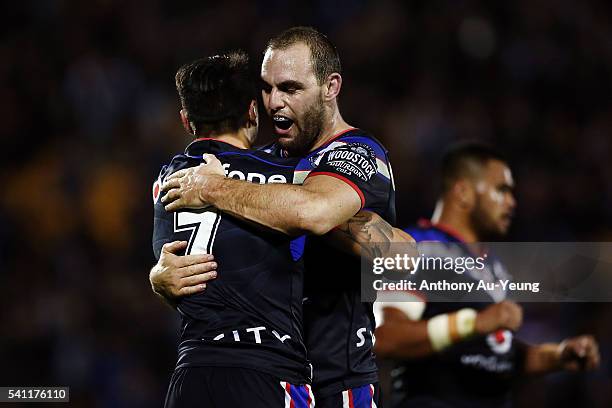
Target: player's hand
pixel 175 276
pixel 503 315
pixel 184 188
pixel 579 353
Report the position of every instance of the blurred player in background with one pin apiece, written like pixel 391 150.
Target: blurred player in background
pixel 344 170
pixel 465 354
pixel 242 342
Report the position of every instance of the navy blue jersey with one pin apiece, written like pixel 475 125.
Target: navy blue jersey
pixel 476 372
pixel 251 315
pixel 339 327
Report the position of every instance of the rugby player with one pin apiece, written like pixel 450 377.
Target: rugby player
pixel 465 354
pixel 241 344
pixel 344 170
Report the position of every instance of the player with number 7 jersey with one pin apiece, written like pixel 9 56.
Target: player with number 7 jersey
pixel 241 342
pixel 251 316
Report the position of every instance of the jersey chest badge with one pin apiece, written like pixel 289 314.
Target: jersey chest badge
pixel 500 341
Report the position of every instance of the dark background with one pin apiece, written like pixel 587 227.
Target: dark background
pixel 89 113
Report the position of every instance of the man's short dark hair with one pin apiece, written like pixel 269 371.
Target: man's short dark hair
pixel 323 54
pixel 217 91
pixel 466 160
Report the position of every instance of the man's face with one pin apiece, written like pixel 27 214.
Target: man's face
pixel 495 203
pixel 293 98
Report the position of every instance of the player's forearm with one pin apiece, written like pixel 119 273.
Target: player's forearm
pixel 367 234
pixel 403 339
pixel 157 289
pixel 542 358
pixel 287 208
pixel 170 302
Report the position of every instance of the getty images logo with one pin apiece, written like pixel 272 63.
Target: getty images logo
pixel 253 177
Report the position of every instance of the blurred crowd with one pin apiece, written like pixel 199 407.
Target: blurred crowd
pixel 89 113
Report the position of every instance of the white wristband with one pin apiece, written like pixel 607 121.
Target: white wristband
pixel 439 335
pixel 466 321
pixel 446 329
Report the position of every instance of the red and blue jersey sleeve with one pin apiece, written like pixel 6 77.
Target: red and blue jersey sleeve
pixel 362 162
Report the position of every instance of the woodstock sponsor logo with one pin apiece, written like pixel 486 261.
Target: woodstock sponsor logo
pixel 355 157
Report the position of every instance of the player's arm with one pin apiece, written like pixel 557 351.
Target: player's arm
pixel 175 276
pixel 573 354
pixel 403 336
pixel 368 234
pixel 315 207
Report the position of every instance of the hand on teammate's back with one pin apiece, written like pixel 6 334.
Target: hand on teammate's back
pixel 503 315
pixel 175 276
pixel 183 187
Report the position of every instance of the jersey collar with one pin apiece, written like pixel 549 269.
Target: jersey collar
pixel 450 231
pixel 209 144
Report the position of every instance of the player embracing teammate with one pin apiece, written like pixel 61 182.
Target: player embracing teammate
pixel 342 171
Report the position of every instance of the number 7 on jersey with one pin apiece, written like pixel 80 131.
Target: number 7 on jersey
pixel 203 226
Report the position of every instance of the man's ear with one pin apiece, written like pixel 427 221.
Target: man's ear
pixel 253 113
pixel 465 193
pixel 185 122
pixel 332 86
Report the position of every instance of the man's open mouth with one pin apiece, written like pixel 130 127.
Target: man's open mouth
pixel 282 122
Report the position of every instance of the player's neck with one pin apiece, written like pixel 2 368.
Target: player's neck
pixel 447 216
pixel 331 128
pixel 237 139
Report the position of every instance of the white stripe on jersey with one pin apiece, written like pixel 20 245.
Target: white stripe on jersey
pixel 391 176
pixel 345 399
pixel 287 395
pixel 311 395
pixel 321 153
pixel 373 403
pixel 300 175
pixel 383 169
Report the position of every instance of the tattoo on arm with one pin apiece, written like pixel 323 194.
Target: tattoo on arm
pixel 373 234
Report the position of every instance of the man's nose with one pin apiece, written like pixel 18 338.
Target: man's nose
pixel 511 201
pixel 276 101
